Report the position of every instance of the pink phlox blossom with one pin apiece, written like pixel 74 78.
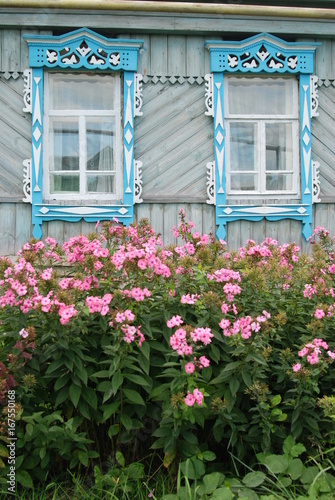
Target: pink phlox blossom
pixel 174 321
pixel 286 286
pixel 190 399
pixel 296 367
pixel 24 334
pixel 309 291
pixel 331 269
pixel 202 334
pixel 66 313
pixel 204 362
pixel 198 397
pixel 225 308
pixel 189 299
pixel 129 333
pixel 319 313
pixel 231 290
pixel 224 275
pixel 189 368
pixel 331 354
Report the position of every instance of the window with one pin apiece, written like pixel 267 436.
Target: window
pixel 82 136
pixel 83 92
pixel 262 96
pixel 262 136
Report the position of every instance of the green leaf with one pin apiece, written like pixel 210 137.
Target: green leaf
pixel 234 385
pixel 275 400
pixel 295 468
pixel 74 394
pixel 117 381
pixel 276 463
pixel 126 421
pixel 55 365
pixel 62 395
pixel 61 381
pixel 113 430
pixel 210 482
pixel 110 409
pixel 133 397
pixel 254 479
pixel 83 457
pixel 222 493
pixel 24 478
pixel 209 456
pixel 120 459
pixel 90 397
pixel 137 379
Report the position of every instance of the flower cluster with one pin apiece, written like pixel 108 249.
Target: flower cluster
pixel 312 352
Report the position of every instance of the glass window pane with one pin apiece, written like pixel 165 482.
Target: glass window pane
pixel 261 96
pixel 242 146
pixel 101 184
pixel 81 91
pixel 279 146
pixel 245 182
pixel 100 139
pixel 64 184
pixel 64 147
pixel 282 182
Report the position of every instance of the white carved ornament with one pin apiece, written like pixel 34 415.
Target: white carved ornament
pixel 211 183
pixel 209 95
pixel 316 181
pixel 27 91
pixel 27 181
pixel 314 96
pixel 138 95
pixel 138 183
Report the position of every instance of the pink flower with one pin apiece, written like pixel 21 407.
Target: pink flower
pixel 319 313
pixel 204 362
pixel 296 367
pixel 198 396
pixel 189 368
pixel 190 399
pixel 174 321
pixel 24 334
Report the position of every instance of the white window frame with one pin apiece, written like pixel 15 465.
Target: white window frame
pixel 260 152
pixel 82 115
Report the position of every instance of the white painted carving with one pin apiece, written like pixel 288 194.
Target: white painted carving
pixel 114 59
pixel 211 183
pixel 305 120
pixel 138 95
pixel 232 61
pixel 37 157
pixel 37 106
pixel 128 158
pixel 27 91
pixel 314 95
pixel 209 94
pixel 307 161
pixel 129 115
pixel 219 159
pixel 292 62
pixel 51 56
pixel 316 182
pixel 138 181
pixel 218 114
pixel 250 65
pixel 27 181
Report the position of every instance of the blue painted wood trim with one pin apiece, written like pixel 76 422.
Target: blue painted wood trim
pixel 77 50
pixel 263 53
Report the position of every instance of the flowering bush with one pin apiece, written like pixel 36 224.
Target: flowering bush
pixel 114 343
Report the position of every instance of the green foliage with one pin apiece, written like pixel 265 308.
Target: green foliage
pixel 117 348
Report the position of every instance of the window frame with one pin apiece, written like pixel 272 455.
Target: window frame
pixel 262 55
pixel 82 50
pixel 82 115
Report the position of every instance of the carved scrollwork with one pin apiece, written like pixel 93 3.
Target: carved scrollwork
pixel 316 181
pixel 209 95
pixel 314 96
pixel 138 183
pixel 211 183
pixel 27 181
pixel 138 95
pixel 27 91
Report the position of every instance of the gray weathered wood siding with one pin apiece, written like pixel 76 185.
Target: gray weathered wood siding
pixel 174 141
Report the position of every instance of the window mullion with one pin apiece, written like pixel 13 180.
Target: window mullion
pixel 261 148
pixel 82 155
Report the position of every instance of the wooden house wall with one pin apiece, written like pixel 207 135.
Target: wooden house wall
pixel 174 141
